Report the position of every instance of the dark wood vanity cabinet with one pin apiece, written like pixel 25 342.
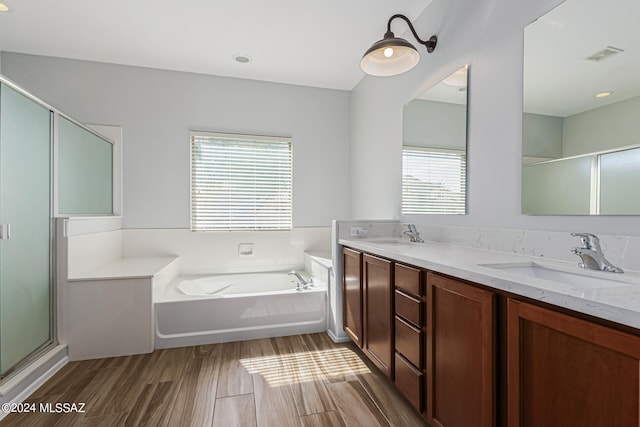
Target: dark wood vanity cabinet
pixel 432 335
pixel 464 355
pixel 378 308
pixel 567 371
pixel 352 295
pixel 460 354
pixel 409 335
pixel 367 306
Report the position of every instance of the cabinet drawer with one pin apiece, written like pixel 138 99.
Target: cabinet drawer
pixel 409 342
pixel 408 279
pixel 409 381
pixel 409 308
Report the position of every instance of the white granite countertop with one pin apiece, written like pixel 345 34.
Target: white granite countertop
pixel 127 268
pixel 620 304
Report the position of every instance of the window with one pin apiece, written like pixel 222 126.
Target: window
pixel 433 181
pixel 240 182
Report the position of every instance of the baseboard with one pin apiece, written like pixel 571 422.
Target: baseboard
pixel 19 387
pixel 337 338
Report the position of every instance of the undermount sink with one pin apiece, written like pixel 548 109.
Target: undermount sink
pixel 579 279
pixel 388 240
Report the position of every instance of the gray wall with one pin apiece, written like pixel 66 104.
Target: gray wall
pixel 611 126
pixel 158 108
pixel 487 35
pixel 434 124
pixel 542 136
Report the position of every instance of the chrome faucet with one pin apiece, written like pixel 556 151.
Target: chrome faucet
pixel 413 234
pixel 302 284
pixel 592 255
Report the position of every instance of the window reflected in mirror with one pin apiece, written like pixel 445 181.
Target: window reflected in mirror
pixel 581 133
pixel 434 152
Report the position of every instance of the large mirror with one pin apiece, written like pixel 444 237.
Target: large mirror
pixel 581 121
pixel 434 151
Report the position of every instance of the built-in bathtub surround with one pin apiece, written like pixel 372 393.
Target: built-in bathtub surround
pixel 319 265
pixel 193 310
pixel 89 251
pixel 104 301
pixel 82 244
pixel 233 307
pixel 120 290
pixel 110 309
pixel 224 252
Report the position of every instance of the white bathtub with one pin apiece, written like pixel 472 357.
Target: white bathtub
pixel 213 309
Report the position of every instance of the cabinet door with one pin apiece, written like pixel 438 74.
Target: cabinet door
pixel 460 353
pixel 352 294
pixel 378 312
pixel 565 371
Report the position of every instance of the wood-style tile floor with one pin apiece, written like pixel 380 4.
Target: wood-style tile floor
pixel 302 380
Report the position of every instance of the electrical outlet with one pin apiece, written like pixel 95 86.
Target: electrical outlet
pixel 358 232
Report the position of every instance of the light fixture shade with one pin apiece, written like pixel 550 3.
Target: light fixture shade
pixel 389 56
pixel 457 79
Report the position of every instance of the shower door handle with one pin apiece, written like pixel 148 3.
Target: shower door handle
pixel 5 231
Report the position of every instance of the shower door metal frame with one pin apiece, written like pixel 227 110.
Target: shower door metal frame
pixel 53 297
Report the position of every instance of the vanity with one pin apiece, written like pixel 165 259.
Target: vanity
pixel 474 338
pixel 477 336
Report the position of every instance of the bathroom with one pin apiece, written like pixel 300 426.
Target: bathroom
pixel 343 140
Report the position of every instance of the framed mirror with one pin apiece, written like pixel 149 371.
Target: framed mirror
pixel 581 127
pixel 434 149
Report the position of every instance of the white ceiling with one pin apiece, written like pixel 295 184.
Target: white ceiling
pixel 310 43
pixel 558 80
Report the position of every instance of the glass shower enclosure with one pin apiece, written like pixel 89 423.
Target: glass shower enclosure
pixel 26 298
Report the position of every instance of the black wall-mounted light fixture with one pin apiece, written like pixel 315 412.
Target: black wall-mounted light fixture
pixel 393 55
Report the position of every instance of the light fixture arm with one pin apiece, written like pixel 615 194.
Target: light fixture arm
pixel 430 44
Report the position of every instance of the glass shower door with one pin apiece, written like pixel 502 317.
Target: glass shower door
pixel 25 215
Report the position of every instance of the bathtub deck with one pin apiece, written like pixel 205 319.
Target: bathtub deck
pixel 301 380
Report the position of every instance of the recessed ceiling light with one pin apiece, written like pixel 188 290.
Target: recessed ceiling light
pixel 243 59
pixel 4 7
pixel 603 94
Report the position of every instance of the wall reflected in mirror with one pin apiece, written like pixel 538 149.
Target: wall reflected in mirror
pixel 434 152
pixel 581 120
pixel 85 171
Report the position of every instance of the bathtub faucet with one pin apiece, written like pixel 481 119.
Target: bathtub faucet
pixel 302 284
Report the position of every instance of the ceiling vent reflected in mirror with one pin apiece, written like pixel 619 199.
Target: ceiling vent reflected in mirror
pixel 581 151
pixel 603 54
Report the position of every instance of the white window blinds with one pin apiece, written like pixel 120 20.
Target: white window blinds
pixel 433 181
pixel 240 182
